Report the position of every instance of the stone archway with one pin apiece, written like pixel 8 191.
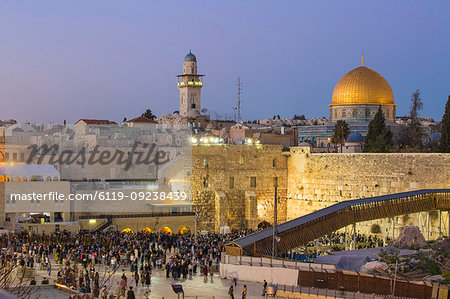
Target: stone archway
pixel 165 230
pixel 184 230
pixel 147 230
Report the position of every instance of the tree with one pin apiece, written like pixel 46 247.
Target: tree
pixel 340 133
pixel 445 129
pixel 149 114
pixel 379 136
pixel 412 133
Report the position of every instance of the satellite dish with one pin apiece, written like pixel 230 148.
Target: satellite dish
pixel 204 111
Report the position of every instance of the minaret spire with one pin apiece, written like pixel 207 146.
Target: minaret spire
pixel 362 58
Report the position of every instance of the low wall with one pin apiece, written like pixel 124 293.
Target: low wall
pixel 49 228
pixel 274 271
pixel 272 275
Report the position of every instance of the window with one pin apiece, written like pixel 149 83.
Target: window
pixel 274 163
pixel 15 157
pixel 205 162
pixel 355 112
pixel 231 182
pixel 275 181
pixel 22 157
pixel 241 159
pixel 253 181
pixel 6 156
pixel 205 181
pixel 192 105
pixel 367 112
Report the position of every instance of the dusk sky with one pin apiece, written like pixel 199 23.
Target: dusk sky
pixel 114 59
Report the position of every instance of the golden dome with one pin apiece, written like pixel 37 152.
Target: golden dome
pixel 362 86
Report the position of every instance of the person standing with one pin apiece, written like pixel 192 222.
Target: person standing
pixel 136 278
pixel 147 279
pixel 49 268
pixel 123 286
pixel 130 293
pixel 231 292
pixel 264 288
pixel 244 292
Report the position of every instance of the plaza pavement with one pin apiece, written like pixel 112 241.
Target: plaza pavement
pixel 195 287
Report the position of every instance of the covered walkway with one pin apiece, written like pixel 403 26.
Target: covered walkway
pixel 300 231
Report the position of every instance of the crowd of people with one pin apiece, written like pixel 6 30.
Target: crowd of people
pixel 80 256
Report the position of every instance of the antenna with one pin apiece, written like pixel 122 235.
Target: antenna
pixel 239 85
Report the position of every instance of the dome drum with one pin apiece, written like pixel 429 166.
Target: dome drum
pixel 362 112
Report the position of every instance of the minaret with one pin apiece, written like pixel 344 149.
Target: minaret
pixel 190 85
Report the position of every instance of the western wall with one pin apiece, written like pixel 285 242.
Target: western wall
pixel 233 185
pixel 306 181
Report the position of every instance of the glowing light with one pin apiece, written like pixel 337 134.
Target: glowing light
pixel 194 140
pixel 152 186
pixel 11 164
pixel 92 221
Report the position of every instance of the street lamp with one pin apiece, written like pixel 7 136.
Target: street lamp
pixel 274 228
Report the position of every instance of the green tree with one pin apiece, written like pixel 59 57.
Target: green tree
pixel 149 114
pixel 411 134
pixel 445 129
pixel 340 133
pixel 299 117
pixel 379 136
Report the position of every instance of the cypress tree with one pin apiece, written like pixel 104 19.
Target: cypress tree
pixel 379 136
pixel 445 129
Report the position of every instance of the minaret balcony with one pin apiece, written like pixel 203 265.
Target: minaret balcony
pixel 190 83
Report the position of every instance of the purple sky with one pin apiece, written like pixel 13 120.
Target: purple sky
pixel 113 59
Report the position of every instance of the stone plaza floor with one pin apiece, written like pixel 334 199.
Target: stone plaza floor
pixel 161 287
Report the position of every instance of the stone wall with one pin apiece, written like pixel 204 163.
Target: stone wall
pixel 238 204
pixel 306 182
pixel 319 180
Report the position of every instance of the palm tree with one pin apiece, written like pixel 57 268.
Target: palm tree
pixel 340 133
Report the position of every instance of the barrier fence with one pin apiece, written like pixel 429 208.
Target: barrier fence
pixel 364 283
pixel 332 281
pixel 269 262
